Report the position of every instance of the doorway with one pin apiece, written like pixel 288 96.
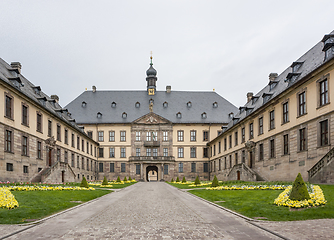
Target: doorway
pixel 62 176
pixel 152 173
pixel 50 157
pixel 238 175
pixel 251 159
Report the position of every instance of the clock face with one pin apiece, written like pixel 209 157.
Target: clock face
pixel 151 91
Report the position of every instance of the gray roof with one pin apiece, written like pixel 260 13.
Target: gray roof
pixel 101 101
pixel 311 60
pixel 14 79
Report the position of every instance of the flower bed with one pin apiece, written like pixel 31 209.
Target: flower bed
pixel 316 194
pixel 250 187
pixel 7 199
pixel 46 188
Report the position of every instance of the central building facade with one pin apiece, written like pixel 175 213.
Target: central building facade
pixel 150 134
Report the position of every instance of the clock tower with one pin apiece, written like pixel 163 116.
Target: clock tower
pixel 151 79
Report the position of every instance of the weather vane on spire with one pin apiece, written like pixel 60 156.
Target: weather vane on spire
pixel 151 58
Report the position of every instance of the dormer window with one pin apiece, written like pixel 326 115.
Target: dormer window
pixel 52 102
pixel 204 115
pixel 224 128
pixel 272 85
pixel 266 97
pixel 124 115
pixel 249 110
pixel 37 90
pixel 231 115
pixel 83 104
pixel 151 101
pixel 165 104
pixel 42 100
pixel 241 110
pixel 99 115
pixel 292 77
pixel 295 66
pixel 254 99
pixel 189 104
pixel 215 105
pixel 137 105
pixel 328 41
pixel 235 120
pixel 14 73
pixel 179 115
pixel 16 81
pixel 113 104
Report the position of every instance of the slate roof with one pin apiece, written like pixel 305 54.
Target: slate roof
pixel 100 101
pixel 311 60
pixel 11 77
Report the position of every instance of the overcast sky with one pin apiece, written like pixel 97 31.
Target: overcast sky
pixel 230 46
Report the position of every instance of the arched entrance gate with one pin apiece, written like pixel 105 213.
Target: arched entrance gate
pixel 152 173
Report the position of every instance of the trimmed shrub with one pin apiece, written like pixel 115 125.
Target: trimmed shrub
pixel 84 183
pixel 215 182
pixel 130 179
pixel 197 181
pixel 125 179
pixel 105 181
pixel 118 179
pixel 177 179
pixel 184 180
pixel 172 180
pixel 299 190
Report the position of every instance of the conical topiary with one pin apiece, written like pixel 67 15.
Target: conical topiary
pixel 118 179
pixel 84 183
pixel 299 190
pixel 125 179
pixel 177 179
pixel 130 179
pixel 215 182
pixel 105 181
pixel 172 180
pixel 197 181
pixel 184 180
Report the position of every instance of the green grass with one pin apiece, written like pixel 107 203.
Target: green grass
pixel 114 186
pixel 186 186
pixel 39 204
pixel 259 203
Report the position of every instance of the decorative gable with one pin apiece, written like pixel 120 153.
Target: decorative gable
pixel 151 118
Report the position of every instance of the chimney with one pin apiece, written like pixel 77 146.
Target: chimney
pixel 94 88
pixel 168 89
pixel 272 76
pixel 249 96
pixel 16 65
pixel 55 97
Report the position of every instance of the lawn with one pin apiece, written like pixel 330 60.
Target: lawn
pixel 34 205
pixel 259 203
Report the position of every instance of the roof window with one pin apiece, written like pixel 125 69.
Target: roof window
pixel 113 104
pixel 235 120
pixel 99 115
pixel 179 115
pixel 204 115
pixel 292 77
pixel 241 109
pixel 328 41
pixel 84 104
pixel 272 85
pixel 248 110
pixel 151 101
pixel 266 97
pixel 124 115
pixel 215 105
pixel 42 100
pixel 137 105
pixel 231 115
pixel 165 104
pixel 295 66
pixel 189 104
pixel 254 99
pixel 37 90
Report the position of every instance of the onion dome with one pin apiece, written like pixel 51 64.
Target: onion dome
pixel 151 71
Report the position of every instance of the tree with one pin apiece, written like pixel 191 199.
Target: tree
pixel 299 190
pixel 215 182
pixel 125 179
pixel 197 181
pixel 118 179
pixel 130 179
pixel 184 180
pixel 84 183
pixel 172 180
pixel 105 181
pixel 177 179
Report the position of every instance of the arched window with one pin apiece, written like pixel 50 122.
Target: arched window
pixel 99 115
pixel 124 115
pixel 113 104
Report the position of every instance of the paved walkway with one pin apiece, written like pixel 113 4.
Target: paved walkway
pixel 153 211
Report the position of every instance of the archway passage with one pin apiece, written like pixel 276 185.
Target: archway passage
pixel 152 173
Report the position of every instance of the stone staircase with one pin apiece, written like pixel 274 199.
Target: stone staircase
pixel 323 170
pixel 245 173
pixel 38 177
pixel 58 172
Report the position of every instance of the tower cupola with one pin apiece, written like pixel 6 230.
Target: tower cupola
pixel 151 79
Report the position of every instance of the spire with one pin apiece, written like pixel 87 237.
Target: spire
pixel 151 78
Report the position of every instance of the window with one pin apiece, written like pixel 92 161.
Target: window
pixel 272 119
pixel 180 135
pixel 219 147
pixel 251 131
pixel 66 136
pixel 302 139
pixel 205 167
pixel 323 92
pixel 272 148
pixel 123 153
pixel 148 136
pixel 179 115
pixel 9 107
pixel 180 152
pixel 101 152
pixel 180 167
pixel 66 156
pixel 58 132
pixel 148 152
pixel 137 136
pixel 82 145
pixel 155 152
pixel 260 125
pixel 124 115
pixel 261 152
pixel 285 144
pixel 90 134
pixel 72 140
pixel 78 142
pixel 8 141
pixel 236 158
pixel 214 150
pixel 137 104
pixel 243 156
pixel 111 136
pixel 39 150
pixel 165 104
pixel 166 169
pixel 112 167
pixel 193 135
pixel 205 152
pixel 50 128
pixel 87 166
pixel 193 167
pixel 138 169
pixel 324 133
pixel 100 167
pixel 122 167
pixel 9 167
pixel 286 112
pixel 242 135
pixel 58 154
pixel 225 163
pixel 225 144
pixel 165 136
pixel 138 152
pixel 72 160
pixel 189 104
pixel 24 114
pixel 302 104
pixel 100 135
pixel 219 164
pixel 165 152
pixel 78 162
pixel 24 146
pixel 111 152
pixel 230 141
pixel 39 123
pixel 193 152
pixel 87 147
pixel 123 136
pixel 205 136
pixel 230 161
pixel 236 138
